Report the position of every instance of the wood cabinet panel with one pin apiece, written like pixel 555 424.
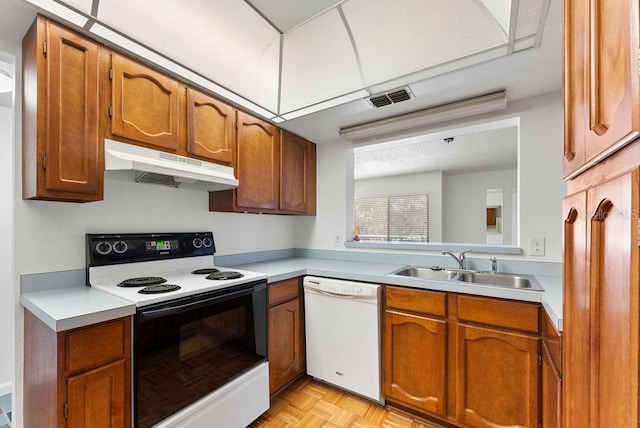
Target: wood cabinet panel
pixel 282 291
pixel 286 343
pixel 412 342
pixel 601 83
pixel 145 104
pixel 576 317
pixel 613 301
pixel 100 396
pixel 498 312
pixel 413 300
pixel 550 391
pixel 97 398
pixel 297 174
pixel 210 127
pixel 62 149
pixel 257 163
pixel 497 378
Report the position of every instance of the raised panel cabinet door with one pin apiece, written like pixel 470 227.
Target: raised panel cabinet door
pixel 297 174
pixel 286 344
pixel 576 313
pixel 551 385
pixel 62 148
pixel 145 104
pixel 602 86
pixel 257 163
pixel 414 361
pixel 497 378
pixel 613 301
pixel 210 127
pixel 97 398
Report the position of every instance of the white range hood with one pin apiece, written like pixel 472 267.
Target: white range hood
pixel 153 166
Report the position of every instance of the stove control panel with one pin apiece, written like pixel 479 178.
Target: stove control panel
pixel 108 249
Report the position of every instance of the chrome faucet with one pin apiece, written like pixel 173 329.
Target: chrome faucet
pixel 494 265
pixel 461 259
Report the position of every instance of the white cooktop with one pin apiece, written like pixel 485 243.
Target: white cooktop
pixel 175 271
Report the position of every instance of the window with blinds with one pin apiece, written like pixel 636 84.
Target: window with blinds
pixel 393 218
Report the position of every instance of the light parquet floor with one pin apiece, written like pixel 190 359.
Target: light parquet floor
pixel 309 403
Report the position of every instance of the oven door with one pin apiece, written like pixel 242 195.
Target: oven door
pixel 189 347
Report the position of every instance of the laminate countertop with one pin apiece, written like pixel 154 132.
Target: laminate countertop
pixel 281 269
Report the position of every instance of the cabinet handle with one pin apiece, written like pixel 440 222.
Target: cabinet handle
pixel 595 120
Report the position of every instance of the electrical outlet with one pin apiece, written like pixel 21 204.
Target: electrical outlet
pixel 536 246
pixel 337 241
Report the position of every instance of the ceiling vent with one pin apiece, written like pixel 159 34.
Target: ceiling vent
pixel 391 97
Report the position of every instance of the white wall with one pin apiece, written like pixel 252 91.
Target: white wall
pixel 466 203
pixel 6 254
pixel 410 184
pixel 541 185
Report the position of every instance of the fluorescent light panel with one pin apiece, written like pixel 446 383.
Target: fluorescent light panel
pixel 444 113
pixel 325 104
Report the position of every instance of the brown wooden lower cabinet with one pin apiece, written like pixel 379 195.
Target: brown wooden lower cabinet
pixel 77 378
pixel 467 360
pixel 286 351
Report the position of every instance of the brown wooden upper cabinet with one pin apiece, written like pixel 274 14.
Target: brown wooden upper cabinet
pixel 601 82
pixel 297 174
pixel 210 127
pixel 145 104
pixel 62 148
pixel 276 170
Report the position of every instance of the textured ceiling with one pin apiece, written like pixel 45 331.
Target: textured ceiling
pixel 481 151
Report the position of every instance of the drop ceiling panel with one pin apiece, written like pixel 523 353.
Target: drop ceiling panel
pixel 318 63
pixel 404 36
pixel 81 5
pixel 501 11
pixel 286 14
pixel 528 17
pixel 224 40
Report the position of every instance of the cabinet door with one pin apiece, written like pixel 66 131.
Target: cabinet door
pixel 550 392
pixel 497 378
pixel 97 398
pixel 210 127
pixel 62 149
pixel 601 87
pixel 414 364
pixel 297 174
pixel 286 344
pixel 257 163
pixel 576 323
pixel 145 105
pixel 613 302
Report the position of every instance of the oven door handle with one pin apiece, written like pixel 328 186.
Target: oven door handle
pixel 173 310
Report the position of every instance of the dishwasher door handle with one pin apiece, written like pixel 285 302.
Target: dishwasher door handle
pixel 329 293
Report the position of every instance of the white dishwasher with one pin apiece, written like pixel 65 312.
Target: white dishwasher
pixel 342 329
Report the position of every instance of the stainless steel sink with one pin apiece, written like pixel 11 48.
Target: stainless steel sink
pixel 501 280
pixel 526 282
pixel 426 273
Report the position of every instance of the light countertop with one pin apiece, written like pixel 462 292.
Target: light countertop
pixel 280 269
pixel 76 306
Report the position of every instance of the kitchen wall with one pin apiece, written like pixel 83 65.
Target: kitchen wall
pixel 6 254
pixel 466 202
pixel 411 184
pixel 541 185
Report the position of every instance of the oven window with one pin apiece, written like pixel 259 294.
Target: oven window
pixel 186 355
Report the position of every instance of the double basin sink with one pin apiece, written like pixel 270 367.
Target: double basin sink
pixel 506 280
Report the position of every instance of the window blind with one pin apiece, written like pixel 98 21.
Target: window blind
pixel 393 218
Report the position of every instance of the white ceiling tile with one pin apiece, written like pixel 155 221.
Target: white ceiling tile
pixel 225 40
pixel 528 17
pixel 286 14
pixel 404 36
pixel 501 11
pixel 81 5
pixel 318 63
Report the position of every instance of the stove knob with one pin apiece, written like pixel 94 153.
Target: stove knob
pixel 197 242
pixel 103 248
pixel 120 247
pixel 207 242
